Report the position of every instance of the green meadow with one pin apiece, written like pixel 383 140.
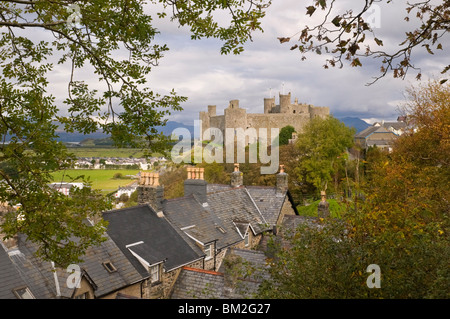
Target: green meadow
pixel 311 210
pixel 102 179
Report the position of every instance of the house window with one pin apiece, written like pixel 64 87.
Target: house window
pixel 23 293
pixel 82 296
pixel 246 240
pixel 154 273
pixel 208 251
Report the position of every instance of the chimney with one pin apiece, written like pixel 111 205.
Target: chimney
pixel 237 178
pixel 195 184
pixel 323 209
pixel 150 192
pixel 282 182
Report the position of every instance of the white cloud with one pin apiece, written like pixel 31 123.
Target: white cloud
pixel 196 69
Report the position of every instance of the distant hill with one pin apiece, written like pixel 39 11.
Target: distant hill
pixel 79 137
pixel 171 125
pixel 355 122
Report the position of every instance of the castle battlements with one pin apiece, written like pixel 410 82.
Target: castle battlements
pixel 275 116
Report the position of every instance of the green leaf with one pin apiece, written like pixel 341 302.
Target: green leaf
pixel 336 21
pixel 310 10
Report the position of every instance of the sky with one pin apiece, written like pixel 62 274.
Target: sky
pixel 266 68
pixel 196 69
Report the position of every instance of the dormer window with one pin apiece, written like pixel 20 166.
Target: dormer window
pixel 208 251
pixel 219 228
pixel 155 273
pixel 246 239
pixel 23 293
pixel 109 267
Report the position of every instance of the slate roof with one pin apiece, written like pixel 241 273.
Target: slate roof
pixel 236 205
pixel 151 237
pixel 10 277
pixel 194 222
pixel 368 131
pixel 231 213
pixel 39 277
pixel 268 202
pixel 203 284
pixel 374 129
pixel 256 259
pixel 211 188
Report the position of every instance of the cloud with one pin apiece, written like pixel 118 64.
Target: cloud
pixel 196 69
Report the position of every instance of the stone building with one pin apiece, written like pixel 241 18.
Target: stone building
pixel 274 116
pixel 381 134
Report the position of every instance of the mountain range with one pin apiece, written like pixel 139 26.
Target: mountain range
pixel 355 122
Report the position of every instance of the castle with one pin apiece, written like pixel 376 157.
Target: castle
pixel 274 116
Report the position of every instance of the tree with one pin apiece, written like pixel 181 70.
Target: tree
pixel 402 226
pixel 350 35
pixel 321 147
pixel 286 134
pixel 111 41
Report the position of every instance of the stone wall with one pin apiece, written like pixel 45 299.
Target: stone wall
pixel 274 116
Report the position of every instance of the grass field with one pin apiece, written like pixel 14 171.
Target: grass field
pixel 101 179
pixel 311 210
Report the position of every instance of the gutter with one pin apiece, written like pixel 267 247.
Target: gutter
pixel 55 276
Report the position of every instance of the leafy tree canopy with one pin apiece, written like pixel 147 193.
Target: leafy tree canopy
pixel 113 42
pixel 321 145
pixel 402 226
pixel 286 134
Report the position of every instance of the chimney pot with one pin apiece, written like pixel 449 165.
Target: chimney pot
pixel 236 177
pixel 149 190
pixel 282 182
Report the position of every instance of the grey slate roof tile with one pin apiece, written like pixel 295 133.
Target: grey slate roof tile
pixel 191 218
pixel 161 241
pixel 38 275
pixel 229 213
pixel 9 276
pixel 268 202
pixel 201 284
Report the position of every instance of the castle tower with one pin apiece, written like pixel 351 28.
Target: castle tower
pixel 269 103
pixel 285 102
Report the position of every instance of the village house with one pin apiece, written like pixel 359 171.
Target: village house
pixel 65 188
pixel 152 245
pixel 128 190
pixel 149 246
pixel 381 134
pixel 104 273
pixel 228 282
pixel 213 217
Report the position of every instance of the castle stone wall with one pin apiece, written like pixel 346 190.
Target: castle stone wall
pixel 274 116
